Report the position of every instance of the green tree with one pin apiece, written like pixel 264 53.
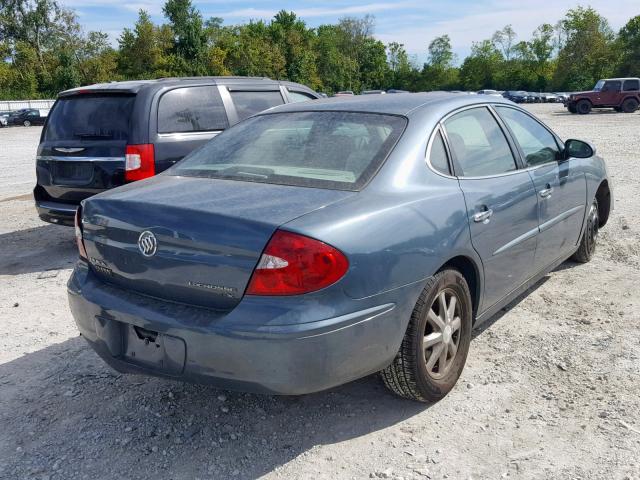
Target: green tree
pixel 588 53
pixel 481 68
pixel 439 73
pixel 190 36
pixel 505 39
pixel 400 68
pixel 296 42
pixel 628 45
pixel 143 51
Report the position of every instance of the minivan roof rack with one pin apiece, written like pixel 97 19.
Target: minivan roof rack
pixel 220 77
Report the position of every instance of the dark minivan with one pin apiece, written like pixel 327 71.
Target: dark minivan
pixel 105 135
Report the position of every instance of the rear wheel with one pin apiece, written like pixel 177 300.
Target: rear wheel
pixel 630 105
pixel 590 235
pixel 436 343
pixel 583 107
pixel 26 123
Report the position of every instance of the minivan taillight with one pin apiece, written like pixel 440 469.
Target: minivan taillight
pixel 139 162
pixel 293 264
pixel 79 240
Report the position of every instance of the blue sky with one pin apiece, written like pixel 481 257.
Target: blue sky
pixel 413 23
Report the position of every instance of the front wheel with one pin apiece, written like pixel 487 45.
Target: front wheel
pixel 583 107
pixel 436 343
pixel 26 123
pixel 590 235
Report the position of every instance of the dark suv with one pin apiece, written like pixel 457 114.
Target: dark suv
pixel 103 136
pixel 621 94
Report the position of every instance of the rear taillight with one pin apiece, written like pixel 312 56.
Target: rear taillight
pixel 140 162
pixel 79 240
pixel 293 264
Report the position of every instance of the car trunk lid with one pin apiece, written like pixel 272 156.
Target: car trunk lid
pixel 209 234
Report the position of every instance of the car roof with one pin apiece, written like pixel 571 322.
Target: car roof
pixel 399 104
pixel 135 86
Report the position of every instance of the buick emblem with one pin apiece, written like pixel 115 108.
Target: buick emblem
pixel 147 243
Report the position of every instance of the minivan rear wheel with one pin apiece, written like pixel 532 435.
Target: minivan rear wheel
pixel 583 107
pixel 436 343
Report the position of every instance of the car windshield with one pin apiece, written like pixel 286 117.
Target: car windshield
pixel 335 150
pixel 598 86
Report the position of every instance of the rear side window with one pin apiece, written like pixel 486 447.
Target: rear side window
pixel 335 150
pixel 631 85
pixel 438 155
pixel 478 144
pixel 250 103
pixel 191 109
pixel 88 116
pixel 299 96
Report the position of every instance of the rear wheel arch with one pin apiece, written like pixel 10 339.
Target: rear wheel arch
pixel 629 104
pixel 603 195
pixel 471 273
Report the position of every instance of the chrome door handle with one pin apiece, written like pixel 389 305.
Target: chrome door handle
pixel 483 216
pixel 546 193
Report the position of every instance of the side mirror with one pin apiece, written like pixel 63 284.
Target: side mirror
pixel 578 149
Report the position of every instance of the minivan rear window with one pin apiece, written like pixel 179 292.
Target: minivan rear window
pixel 250 103
pixel 334 150
pixel 89 116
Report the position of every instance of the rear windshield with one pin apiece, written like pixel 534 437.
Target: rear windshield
pixel 90 116
pixel 335 150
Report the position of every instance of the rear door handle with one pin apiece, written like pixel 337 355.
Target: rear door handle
pixel 546 192
pixel 483 216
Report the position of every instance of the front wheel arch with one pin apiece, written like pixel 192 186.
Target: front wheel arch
pixel 603 196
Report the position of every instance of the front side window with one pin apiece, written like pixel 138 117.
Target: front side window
pixel 631 85
pixel 478 144
pixel 191 109
pixel 250 103
pixel 336 150
pixel 537 143
pixel 612 86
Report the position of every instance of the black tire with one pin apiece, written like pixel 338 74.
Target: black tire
pixel 583 107
pixel 589 238
pixel 630 105
pixel 26 123
pixel 409 375
pixel 618 109
pixel 572 109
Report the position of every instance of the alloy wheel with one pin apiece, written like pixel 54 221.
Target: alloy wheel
pixel 442 334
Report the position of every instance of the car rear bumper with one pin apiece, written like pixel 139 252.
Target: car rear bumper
pixel 56 212
pixel 203 346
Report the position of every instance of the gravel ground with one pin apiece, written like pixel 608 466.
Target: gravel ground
pixel 551 388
